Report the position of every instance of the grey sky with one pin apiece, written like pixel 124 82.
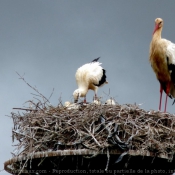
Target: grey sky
pixel 48 40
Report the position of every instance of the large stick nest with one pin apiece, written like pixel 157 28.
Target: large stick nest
pixel 94 127
pixel 87 129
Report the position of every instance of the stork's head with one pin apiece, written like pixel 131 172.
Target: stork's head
pixel 76 95
pixel 158 24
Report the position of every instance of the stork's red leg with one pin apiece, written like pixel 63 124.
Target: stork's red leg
pixel 160 102
pixel 167 93
pixel 85 99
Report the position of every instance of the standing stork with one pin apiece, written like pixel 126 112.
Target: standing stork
pixel 162 59
pixel 89 76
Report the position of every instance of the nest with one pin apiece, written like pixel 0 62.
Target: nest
pixel 94 127
pixel 97 128
pixel 88 129
pixel 45 131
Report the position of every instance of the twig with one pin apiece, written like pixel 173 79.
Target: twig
pixel 26 109
pixel 33 88
pixel 93 137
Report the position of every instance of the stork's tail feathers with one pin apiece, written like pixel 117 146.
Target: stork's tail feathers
pixel 95 60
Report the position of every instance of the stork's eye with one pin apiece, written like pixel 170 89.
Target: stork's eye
pixel 160 22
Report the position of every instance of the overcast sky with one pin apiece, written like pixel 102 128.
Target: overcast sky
pixel 47 40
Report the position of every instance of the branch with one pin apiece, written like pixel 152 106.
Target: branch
pixel 33 88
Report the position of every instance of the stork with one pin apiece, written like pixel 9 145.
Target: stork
pixel 162 60
pixel 90 76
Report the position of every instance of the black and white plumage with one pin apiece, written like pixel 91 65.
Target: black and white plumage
pixel 90 76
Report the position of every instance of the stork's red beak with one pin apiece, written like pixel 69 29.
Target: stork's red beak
pixel 156 27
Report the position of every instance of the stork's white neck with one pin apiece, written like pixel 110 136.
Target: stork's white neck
pixel 157 34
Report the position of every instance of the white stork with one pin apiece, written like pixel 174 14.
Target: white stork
pixel 110 102
pixel 70 105
pixel 97 102
pixel 162 59
pixel 90 76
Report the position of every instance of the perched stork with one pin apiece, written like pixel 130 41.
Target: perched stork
pixel 90 76
pixel 162 59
